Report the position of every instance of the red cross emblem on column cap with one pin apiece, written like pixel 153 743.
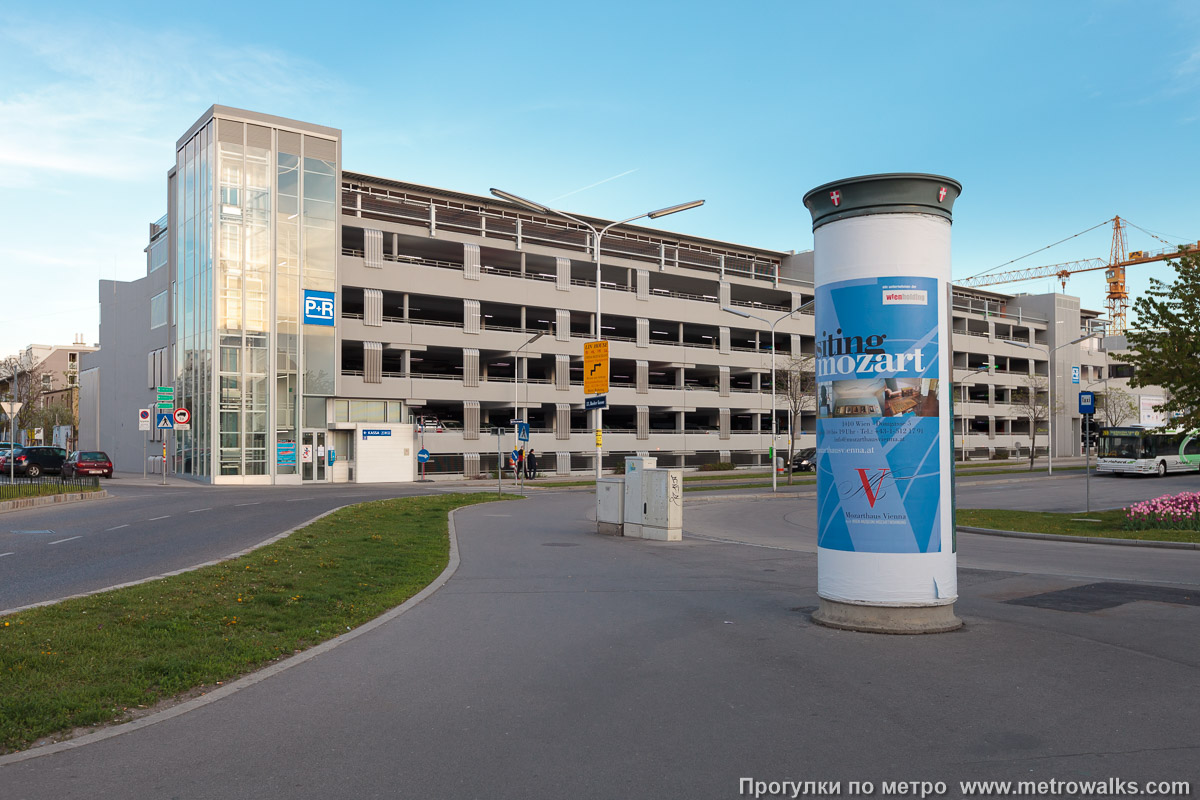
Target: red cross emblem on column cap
pixel 836 197
pixel 941 193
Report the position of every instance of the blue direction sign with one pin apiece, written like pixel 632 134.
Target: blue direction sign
pixel 595 402
pixel 165 420
pixel 1087 402
pixel 522 431
pixel 1074 374
pixel 422 455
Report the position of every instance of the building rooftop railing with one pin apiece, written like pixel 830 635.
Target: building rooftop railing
pixel 382 204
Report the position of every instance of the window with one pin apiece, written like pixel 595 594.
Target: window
pixel 46 380
pixel 158 310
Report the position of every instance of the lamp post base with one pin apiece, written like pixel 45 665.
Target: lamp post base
pixel 887 619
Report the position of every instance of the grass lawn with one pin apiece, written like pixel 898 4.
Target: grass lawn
pixel 92 660
pixel 1109 526
pixel 19 490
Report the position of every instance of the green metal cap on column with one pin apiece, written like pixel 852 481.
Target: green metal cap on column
pixel 891 193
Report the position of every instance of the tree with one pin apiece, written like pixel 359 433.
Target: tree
pixel 1032 400
pixel 1165 350
pixel 1115 407
pixel 22 382
pixel 798 384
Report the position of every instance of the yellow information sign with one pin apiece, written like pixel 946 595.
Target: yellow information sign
pixel 599 439
pixel 595 367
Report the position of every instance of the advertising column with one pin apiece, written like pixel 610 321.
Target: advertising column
pixel 886 557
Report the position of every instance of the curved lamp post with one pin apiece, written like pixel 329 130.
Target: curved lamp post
pixel 740 313
pixel 597 236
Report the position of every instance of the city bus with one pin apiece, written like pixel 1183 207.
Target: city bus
pixel 1147 451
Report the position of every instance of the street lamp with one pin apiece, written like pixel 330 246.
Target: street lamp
pixel 516 385
pixel 597 236
pixel 1053 380
pixel 740 313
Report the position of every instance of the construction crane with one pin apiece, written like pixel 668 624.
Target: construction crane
pixel 1118 260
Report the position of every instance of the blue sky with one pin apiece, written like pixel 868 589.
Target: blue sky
pixel 1054 117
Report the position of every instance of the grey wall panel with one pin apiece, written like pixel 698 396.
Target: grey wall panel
pixel 373 248
pixel 373 307
pixel 471 261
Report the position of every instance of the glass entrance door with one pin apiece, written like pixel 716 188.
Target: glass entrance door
pixel 314 456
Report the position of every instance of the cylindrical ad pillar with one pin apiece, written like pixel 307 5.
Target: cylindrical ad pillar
pixel 886 557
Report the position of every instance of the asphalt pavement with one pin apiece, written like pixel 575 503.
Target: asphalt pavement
pixel 558 663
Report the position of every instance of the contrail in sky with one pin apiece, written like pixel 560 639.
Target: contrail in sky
pixel 593 185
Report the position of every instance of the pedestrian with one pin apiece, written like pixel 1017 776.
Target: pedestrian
pixel 530 464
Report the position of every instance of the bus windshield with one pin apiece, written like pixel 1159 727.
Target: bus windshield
pixel 1121 444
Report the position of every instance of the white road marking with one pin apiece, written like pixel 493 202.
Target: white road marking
pixel 126 525
pixel 2 555
pixel 155 519
pixel 246 504
pixel 198 510
pixel 60 541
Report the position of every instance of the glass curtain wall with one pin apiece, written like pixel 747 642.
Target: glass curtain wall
pixel 318 214
pixel 287 302
pixel 255 224
pixel 244 296
pixel 193 301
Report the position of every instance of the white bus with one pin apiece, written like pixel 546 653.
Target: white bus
pixel 1147 451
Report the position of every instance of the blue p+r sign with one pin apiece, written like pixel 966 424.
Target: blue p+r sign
pixel 318 307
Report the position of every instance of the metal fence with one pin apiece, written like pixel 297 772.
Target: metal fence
pixel 45 485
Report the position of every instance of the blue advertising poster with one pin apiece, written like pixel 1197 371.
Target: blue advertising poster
pixel 878 430
pixel 285 454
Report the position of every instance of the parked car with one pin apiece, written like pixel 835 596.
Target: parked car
pixel 87 462
pixel 34 461
pixel 429 425
pixel 805 460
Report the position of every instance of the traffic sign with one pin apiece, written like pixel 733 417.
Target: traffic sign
pixel 165 421
pixel 422 455
pixel 522 431
pixel 182 416
pixel 1087 402
pixel 595 402
pixel 143 419
pixel 1074 374
pixel 595 367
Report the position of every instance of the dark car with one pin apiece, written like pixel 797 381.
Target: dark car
pixel 87 462
pixel 805 460
pixel 34 461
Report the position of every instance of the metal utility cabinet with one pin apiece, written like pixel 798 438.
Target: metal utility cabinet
pixel 610 505
pixel 635 499
pixel 662 511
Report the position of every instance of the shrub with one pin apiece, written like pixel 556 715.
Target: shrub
pixel 1000 454
pixel 717 466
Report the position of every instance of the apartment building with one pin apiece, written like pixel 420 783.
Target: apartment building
pixel 42 376
pixel 296 307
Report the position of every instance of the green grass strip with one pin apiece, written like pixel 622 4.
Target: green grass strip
pixel 92 660
pixel 1110 526
pixel 20 491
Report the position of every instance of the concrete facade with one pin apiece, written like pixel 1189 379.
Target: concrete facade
pixel 436 294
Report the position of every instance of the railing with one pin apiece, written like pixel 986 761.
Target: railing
pixel 22 487
pixel 504 226
pixel 763 306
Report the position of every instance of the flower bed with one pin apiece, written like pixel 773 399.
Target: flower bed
pixel 1174 511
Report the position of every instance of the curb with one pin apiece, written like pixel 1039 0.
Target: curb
pixel 1056 537
pixel 1049 537
pixel 246 681
pixel 23 503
